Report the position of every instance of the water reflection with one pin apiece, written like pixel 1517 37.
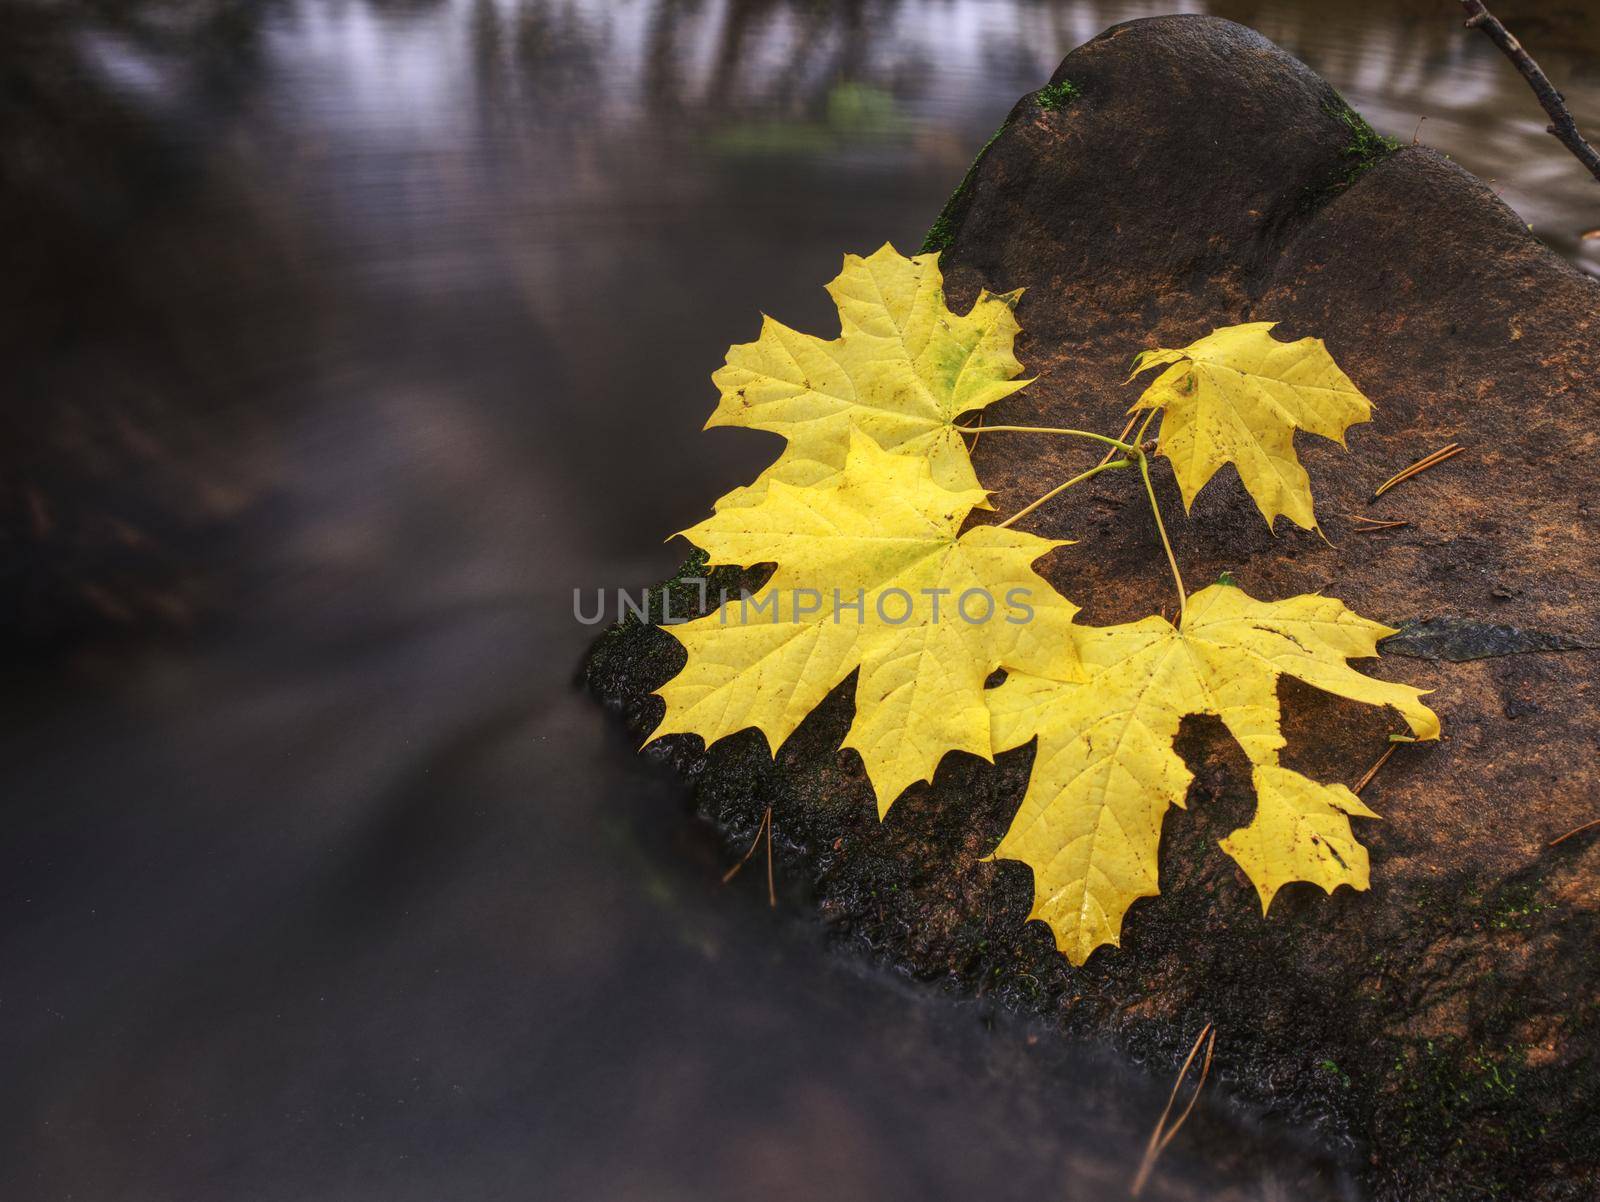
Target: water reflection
pixel 583 168
pixel 678 68
pixel 348 338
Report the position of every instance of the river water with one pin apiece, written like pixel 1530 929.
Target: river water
pixel 346 338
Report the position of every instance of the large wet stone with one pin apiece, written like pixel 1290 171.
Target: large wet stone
pixel 1447 1022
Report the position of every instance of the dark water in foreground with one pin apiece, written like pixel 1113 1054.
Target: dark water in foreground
pixel 346 338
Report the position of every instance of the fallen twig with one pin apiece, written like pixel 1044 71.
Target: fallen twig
pixel 1449 451
pixel 1373 771
pixel 1561 124
pixel 1369 525
pixel 1577 830
pixel 1162 1136
pixel 764 828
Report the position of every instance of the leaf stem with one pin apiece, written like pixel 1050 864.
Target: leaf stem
pixel 1108 441
pixel 1166 544
pixel 1148 418
pixel 1061 488
pixel 1126 430
pixel 1135 453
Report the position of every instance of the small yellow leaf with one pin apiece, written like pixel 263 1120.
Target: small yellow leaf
pixel 1105 772
pixel 927 615
pixel 1103 777
pixel 1300 832
pixel 903 369
pixel 1237 396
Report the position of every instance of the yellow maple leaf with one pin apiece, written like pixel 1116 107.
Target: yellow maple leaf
pixel 1105 771
pixel 882 538
pixel 1300 832
pixel 902 370
pixel 1237 396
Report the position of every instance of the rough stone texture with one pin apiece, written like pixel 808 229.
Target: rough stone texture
pixel 1445 1022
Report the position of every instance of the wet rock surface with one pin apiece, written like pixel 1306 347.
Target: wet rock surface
pixel 1444 1025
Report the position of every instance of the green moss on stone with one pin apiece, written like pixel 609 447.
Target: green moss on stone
pixel 943 230
pixel 1050 98
pixel 1456 1107
pixel 1055 96
pixel 1364 149
pixel 1331 1067
pixel 1515 907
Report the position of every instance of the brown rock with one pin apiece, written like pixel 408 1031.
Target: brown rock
pixel 1448 1020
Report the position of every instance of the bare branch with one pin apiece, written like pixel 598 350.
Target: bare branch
pixel 1561 123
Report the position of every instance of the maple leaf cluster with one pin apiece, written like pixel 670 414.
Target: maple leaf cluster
pixel 863 516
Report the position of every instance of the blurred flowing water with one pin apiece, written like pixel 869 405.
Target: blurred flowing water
pixel 345 338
